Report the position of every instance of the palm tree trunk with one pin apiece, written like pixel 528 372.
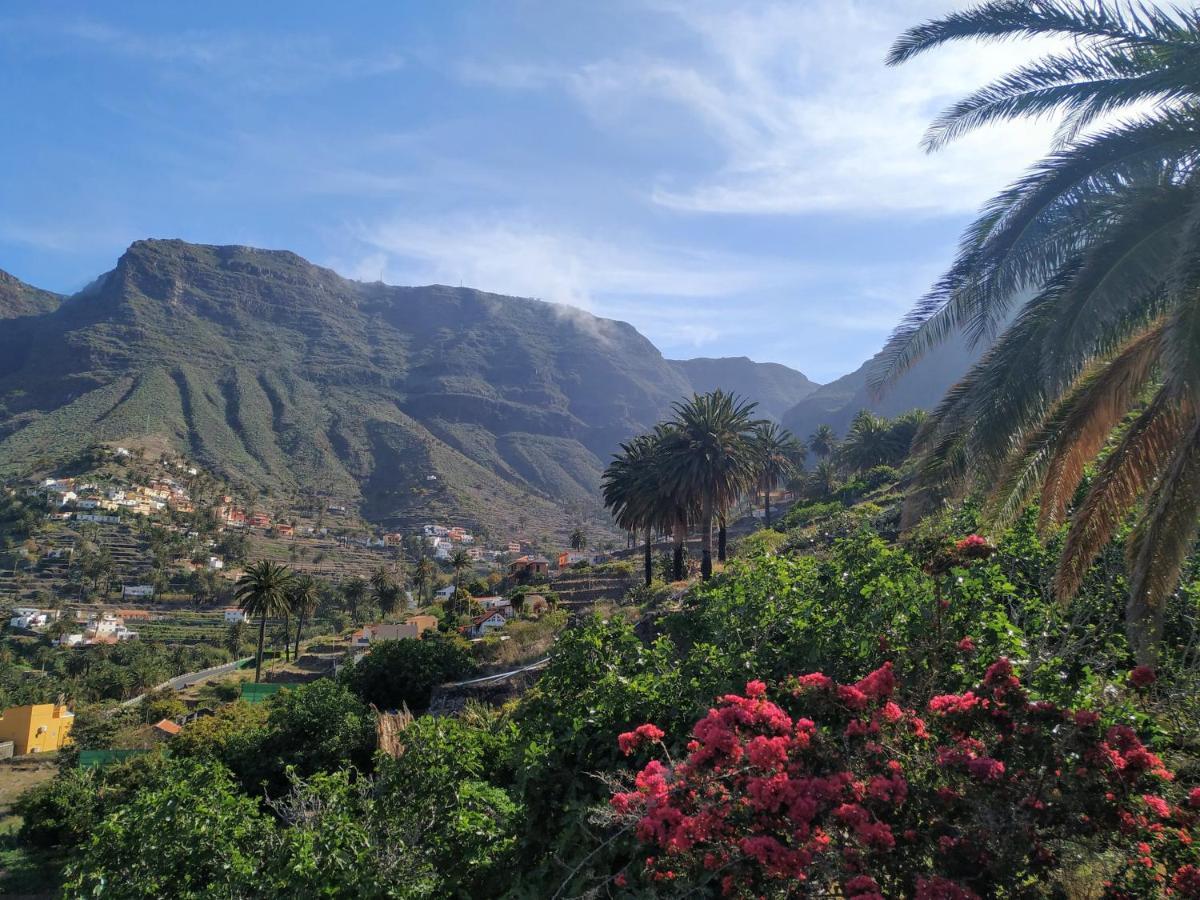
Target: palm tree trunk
pixel 722 537
pixel 262 633
pixel 767 507
pixel 299 630
pixel 1144 630
pixel 649 559
pixel 706 536
pixel 679 536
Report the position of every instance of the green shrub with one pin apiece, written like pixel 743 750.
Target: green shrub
pixel 403 673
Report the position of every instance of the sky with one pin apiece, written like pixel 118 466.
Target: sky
pixel 731 178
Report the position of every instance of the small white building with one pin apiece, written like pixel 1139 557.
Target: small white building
pixel 233 614
pixel 70 640
pixel 444 593
pixel 137 591
pixel 484 625
pixel 215 563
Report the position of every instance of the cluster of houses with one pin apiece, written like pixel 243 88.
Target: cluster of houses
pixel 91 501
pixel 100 628
pixel 28 618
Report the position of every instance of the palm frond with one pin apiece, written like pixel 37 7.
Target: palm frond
pixel 1132 25
pixel 1055 453
pixel 1028 232
pixel 1162 540
pixel 1125 474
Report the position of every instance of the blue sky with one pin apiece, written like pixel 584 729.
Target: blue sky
pixel 733 179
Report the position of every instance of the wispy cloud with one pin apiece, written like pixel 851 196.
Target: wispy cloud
pixel 278 63
pixel 804 114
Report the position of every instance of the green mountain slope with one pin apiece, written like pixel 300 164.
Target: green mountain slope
pixel 776 387
pixel 409 402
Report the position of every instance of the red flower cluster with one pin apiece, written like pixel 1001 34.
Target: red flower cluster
pixel 766 795
pixel 643 734
pixel 974 546
pixel 1142 677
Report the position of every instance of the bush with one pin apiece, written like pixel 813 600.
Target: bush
pixel 878 476
pixel 803 514
pixel 189 833
pixel 403 673
pixel 839 784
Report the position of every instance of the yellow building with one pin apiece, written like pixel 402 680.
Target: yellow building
pixel 36 728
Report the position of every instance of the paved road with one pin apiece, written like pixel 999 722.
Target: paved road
pixel 537 665
pixel 179 682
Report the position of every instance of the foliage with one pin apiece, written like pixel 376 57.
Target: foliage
pixel 395 674
pixel 188 833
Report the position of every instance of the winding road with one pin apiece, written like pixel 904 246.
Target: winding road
pixel 179 682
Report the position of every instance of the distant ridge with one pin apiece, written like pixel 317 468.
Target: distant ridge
pixel 775 387
pixel 20 299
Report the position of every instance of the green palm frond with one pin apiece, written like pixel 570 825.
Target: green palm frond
pixel 1128 25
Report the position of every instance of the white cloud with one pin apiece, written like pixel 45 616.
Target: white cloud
pixel 807 116
pixel 512 255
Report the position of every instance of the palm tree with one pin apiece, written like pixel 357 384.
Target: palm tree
pixel 869 442
pixel 578 539
pixel 423 577
pixel 353 592
pixel 629 489
pixel 824 479
pixel 779 456
pixel 303 600
pixel 263 591
pixel 1103 235
pixel 459 562
pixel 823 441
pixel 384 591
pixel 711 457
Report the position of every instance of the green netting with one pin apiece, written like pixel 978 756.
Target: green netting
pixel 89 759
pixel 257 693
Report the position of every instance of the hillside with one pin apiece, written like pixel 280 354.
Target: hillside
pixel 20 299
pixel 776 387
pixel 922 387
pixel 284 378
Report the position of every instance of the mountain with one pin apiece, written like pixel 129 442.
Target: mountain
pixel 410 403
pixel 776 387
pixel 20 299
pixel 923 386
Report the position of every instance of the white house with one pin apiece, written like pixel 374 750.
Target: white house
pixel 137 591
pixel 481 626
pixel 215 563
pixel 444 593
pixel 70 640
pixel 233 614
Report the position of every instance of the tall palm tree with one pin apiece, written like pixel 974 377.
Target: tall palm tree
pixel 303 599
pixel 629 488
pixel 354 591
pixel 459 562
pixel 711 458
pixel 384 591
pixel 823 441
pixel 778 457
pixel 263 591
pixel 1097 250
pixel 423 578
